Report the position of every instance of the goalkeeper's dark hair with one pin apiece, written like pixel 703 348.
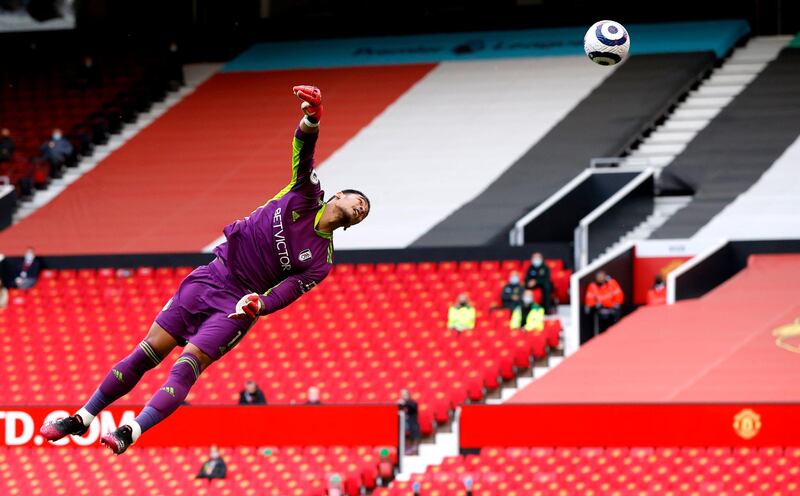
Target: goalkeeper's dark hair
pixel 355 192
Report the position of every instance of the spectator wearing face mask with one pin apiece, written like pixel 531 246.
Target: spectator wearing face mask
pixel 528 315
pixel 29 270
pixel 461 316
pixel 657 295
pixel 538 276
pixel 58 152
pixel 214 467
pixel 511 296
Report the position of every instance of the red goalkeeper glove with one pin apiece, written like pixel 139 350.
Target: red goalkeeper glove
pixel 312 103
pixel 249 307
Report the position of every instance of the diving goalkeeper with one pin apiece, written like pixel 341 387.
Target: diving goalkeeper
pixel 268 260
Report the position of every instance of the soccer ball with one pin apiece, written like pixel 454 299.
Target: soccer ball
pixel 607 43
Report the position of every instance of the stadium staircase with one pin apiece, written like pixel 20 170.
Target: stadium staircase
pixel 195 74
pixel 444 443
pixel 523 471
pixel 704 102
pixel 689 117
pixel 731 154
pixel 768 208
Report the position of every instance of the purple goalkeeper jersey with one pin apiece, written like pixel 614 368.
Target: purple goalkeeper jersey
pixel 277 251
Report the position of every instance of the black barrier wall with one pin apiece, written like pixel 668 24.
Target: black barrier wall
pixel 8 205
pixel 726 263
pixel 558 222
pixel 626 214
pixel 620 268
pixel 549 250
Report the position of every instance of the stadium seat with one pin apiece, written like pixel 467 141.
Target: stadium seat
pixel 250 471
pixel 594 470
pixel 361 336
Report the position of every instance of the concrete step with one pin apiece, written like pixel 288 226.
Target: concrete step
pixel 685 125
pixel 698 101
pixel 741 68
pixel 657 161
pixel 665 137
pixel 729 79
pixel 692 114
pixel 659 149
pixel 719 90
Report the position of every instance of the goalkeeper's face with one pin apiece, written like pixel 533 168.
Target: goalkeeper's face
pixel 352 206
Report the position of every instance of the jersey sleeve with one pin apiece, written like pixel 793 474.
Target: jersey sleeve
pixel 292 288
pixel 303 175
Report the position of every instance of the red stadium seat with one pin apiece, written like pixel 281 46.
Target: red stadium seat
pixel 361 337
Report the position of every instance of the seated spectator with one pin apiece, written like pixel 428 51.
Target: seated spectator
pixel 512 292
pixel 461 316
pixel 252 395
pixel 313 396
pixel 657 295
pixel 604 298
pixel 411 409
pixel 29 270
pixel 214 467
pixel 538 276
pixel 6 145
pixel 385 467
pixel 58 152
pixel 174 66
pixel 528 315
pixel 88 74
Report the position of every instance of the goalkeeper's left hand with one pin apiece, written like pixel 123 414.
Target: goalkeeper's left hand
pixel 312 103
pixel 249 307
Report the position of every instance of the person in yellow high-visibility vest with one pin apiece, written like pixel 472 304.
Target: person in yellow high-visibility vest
pixel 528 315
pixel 461 316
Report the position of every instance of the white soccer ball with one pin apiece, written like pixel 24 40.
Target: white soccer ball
pixel 607 43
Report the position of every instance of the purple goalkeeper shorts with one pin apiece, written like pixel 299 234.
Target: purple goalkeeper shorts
pixel 198 312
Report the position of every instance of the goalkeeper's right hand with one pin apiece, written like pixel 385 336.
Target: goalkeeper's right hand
pixel 312 103
pixel 249 306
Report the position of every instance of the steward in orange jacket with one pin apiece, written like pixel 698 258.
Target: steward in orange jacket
pixel 604 292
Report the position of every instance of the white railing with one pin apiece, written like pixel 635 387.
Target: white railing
pixel 629 163
pixel 581 240
pixel 672 277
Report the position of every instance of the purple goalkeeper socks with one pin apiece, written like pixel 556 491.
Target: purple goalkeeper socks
pixel 121 379
pixel 172 394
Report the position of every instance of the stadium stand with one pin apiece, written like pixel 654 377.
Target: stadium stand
pixel 390 334
pixel 234 125
pixel 767 208
pixel 235 122
pixel 603 124
pixel 477 141
pixel 40 95
pixel 518 471
pixel 736 148
pixel 301 471
pixel 721 340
